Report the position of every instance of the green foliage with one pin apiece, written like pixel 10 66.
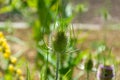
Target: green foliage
pixel 28 74
pixel 8 76
pixel 44 16
pixel 67 76
pixel 53 12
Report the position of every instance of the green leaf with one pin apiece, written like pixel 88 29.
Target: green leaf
pixel 67 76
pixel 44 16
pixel 5 9
pixel 80 57
pixel 28 74
pixel 32 3
pixel 8 76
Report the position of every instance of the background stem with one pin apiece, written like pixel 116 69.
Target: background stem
pixel 57 66
pixel 87 75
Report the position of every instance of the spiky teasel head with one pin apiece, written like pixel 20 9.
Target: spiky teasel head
pixel 60 42
pixel 105 72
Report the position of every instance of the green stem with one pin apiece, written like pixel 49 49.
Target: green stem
pixel 87 75
pixel 46 77
pixel 61 64
pixel 57 66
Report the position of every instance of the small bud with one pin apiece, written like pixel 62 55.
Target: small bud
pixel 89 65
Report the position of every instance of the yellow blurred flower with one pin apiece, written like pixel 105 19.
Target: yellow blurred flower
pixel 7 51
pixel 0 49
pixel 21 78
pixel 2 40
pixel 1 35
pixel 11 68
pixel 19 72
pixel 1 75
pixel 6 55
pixel 4 44
pixel 13 60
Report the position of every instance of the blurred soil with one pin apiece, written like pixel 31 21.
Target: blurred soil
pixel 94 8
pixel 92 15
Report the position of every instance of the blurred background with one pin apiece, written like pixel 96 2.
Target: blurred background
pixel 92 14
pixel 31 26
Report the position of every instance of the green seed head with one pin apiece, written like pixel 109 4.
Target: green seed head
pixel 60 42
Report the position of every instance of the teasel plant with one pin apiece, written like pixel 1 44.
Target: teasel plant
pixel 6 53
pixel 106 69
pixel 59 46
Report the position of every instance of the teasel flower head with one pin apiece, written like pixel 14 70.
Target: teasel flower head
pixel 105 72
pixel 60 42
